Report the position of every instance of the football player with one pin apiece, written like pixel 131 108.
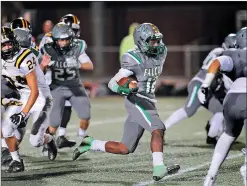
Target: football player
pixel 20 68
pixel 25 40
pixel 65 56
pixel 146 64
pixel 9 96
pixel 22 30
pixel 213 104
pixel 72 21
pixel 234 64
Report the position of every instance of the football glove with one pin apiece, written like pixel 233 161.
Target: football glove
pixel 127 91
pixel 203 94
pixel 19 118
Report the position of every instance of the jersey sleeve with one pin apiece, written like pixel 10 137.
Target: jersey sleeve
pixel 26 62
pixel 130 61
pixel 83 57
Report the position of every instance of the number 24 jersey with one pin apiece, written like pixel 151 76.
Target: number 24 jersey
pixel 15 70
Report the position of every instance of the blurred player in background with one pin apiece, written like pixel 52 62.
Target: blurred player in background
pixel 74 23
pixel 213 104
pixel 65 56
pixel 146 64
pixel 234 64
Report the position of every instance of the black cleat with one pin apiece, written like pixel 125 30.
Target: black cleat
pixel 16 166
pixel 62 142
pixel 173 169
pixel 6 156
pixel 52 150
pixel 76 154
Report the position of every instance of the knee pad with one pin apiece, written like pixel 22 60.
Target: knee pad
pixel 36 140
pixel 8 130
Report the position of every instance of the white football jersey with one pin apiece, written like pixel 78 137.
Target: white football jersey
pixel 211 56
pixel 15 71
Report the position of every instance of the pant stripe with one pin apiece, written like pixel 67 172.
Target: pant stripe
pixel 193 96
pixel 144 114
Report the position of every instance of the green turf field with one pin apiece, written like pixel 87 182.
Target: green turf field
pixel 185 146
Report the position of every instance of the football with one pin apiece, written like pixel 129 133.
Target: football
pixel 132 84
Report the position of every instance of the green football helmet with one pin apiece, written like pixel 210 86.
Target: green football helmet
pixel 148 39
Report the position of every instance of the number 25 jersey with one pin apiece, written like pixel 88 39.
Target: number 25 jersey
pixel 15 70
pixel 65 67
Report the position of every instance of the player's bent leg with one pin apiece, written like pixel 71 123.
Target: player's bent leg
pixel 234 121
pixel 38 137
pixel 146 115
pixel 189 109
pixel 8 129
pixel 62 141
pixel 131 136
pixel 80 102
pixel 57 110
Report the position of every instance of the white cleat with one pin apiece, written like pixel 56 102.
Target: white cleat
pixel 209 181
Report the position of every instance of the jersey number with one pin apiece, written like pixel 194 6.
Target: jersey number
pixel 30 64
pixel 151 82
pixel 65 74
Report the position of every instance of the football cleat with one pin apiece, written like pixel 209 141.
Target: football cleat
pixel 16 166
pixel 52 150
pixel 161 171
pixel 83 147
pixel 62 142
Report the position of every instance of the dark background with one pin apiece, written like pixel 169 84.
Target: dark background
pixel 182 23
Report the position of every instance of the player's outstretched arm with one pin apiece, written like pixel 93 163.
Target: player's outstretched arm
pixel 87 66
pixel 33 85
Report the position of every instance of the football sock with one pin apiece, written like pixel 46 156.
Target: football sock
pixel 98 145
pixel 82 133
pixel 61 131
pixel 15 156
pixel 176 116
pixel 216 125
pixel 221 150
pixel 157 158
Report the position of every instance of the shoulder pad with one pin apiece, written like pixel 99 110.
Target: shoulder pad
pixel 132 55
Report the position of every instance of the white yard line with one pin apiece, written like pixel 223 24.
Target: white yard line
pixel 183 171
